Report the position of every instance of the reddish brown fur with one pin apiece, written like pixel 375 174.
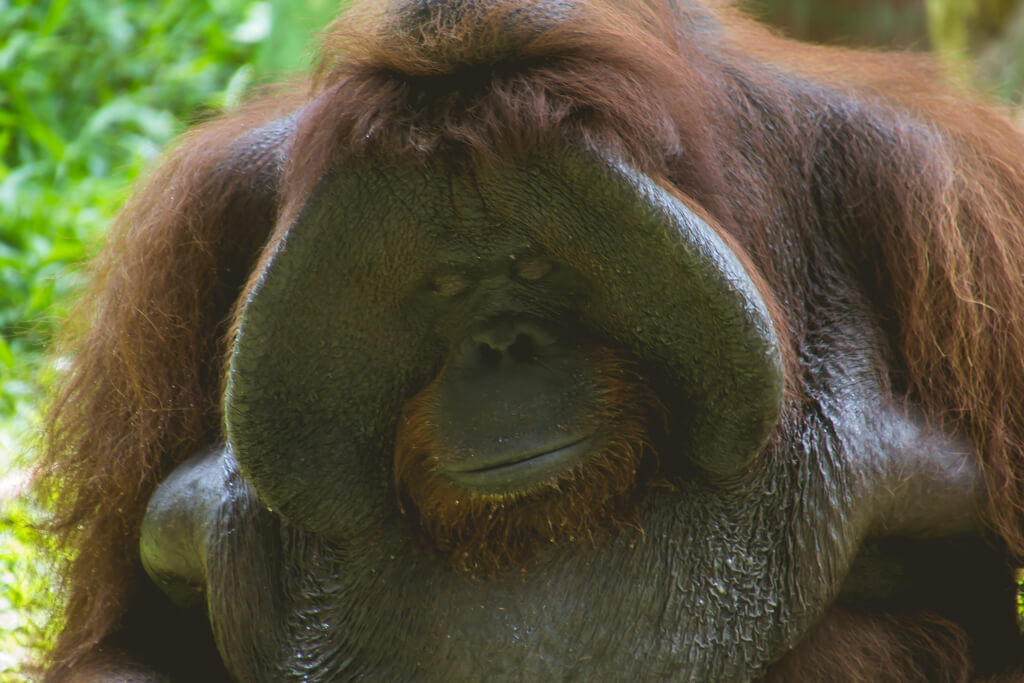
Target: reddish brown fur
pixel 849 647
pixel 477 531
pixel 144 388
pixel 931 182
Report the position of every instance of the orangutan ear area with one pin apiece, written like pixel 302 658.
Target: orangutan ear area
pixel 576 340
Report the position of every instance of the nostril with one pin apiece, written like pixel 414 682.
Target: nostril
pixel 522 349
pixel 505 341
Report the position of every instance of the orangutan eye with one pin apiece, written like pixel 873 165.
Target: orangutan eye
pixel 533 269
pixel 450 285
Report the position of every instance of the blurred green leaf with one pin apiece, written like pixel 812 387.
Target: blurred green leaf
pixel 256 27
pixel 6 355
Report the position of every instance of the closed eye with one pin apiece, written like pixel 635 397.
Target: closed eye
pixel 533 269
pixel 450 285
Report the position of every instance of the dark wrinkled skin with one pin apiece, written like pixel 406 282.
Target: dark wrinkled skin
pixel 292 535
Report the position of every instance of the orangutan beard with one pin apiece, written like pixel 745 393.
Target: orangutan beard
pixel 485 532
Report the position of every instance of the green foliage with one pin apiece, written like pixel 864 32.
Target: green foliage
pixel 851 22
pixel 90 92
pixel 24 598
pixel 953 23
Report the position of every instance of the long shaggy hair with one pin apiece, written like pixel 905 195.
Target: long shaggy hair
pixel 920 183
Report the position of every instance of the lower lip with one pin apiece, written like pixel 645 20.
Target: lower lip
pixel 524 473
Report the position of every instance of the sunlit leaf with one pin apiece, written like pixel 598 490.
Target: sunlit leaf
pixel 256 27
pixel 6 355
